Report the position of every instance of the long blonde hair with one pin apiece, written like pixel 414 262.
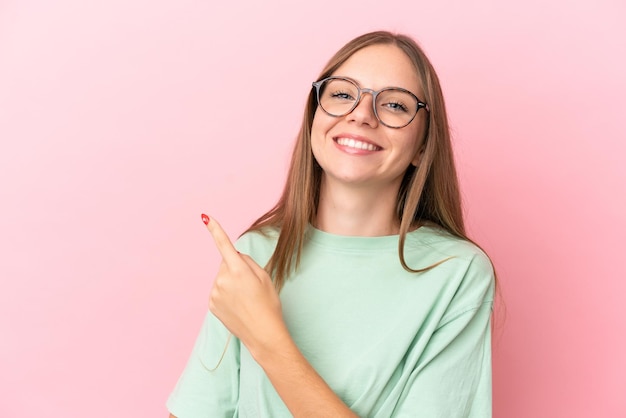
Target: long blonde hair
pixel 428 193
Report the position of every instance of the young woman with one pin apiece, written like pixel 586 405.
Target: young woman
pixel 359 293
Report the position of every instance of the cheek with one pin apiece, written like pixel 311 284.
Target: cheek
pixel 413 145
pixel 317 140
pixel 413 140
pixel 418 134
pixel 321 123
pixel 319 128
pixel 315 135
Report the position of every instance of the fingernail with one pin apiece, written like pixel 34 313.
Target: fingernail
pixel 205 219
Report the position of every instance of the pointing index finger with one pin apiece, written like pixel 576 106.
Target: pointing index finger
pixel 222 242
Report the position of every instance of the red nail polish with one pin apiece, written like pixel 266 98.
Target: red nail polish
pixel 205 219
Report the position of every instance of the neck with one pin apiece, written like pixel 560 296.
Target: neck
pixel 357 211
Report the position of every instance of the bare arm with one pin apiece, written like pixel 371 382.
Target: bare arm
pixel 245 300
pixel 302 389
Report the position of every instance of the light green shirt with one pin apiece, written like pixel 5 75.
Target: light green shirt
pixel 390 343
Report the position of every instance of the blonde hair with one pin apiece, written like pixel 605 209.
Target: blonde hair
pixel 428 193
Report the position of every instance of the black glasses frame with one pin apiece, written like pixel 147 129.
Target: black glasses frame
pixel 374 93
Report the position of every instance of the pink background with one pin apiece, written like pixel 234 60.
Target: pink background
pixel 122 121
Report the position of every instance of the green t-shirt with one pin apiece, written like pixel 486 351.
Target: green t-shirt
pixel 390 343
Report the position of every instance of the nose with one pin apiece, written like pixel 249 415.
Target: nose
pixel 363 113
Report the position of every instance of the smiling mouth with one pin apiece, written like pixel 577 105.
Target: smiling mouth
pixel 356 144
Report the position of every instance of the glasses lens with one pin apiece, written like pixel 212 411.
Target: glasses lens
pixel 338 97
pixel 395 107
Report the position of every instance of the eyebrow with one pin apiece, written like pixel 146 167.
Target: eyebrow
pixel 386 87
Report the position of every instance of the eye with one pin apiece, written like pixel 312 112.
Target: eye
pixel 395 106
pixel 396 101
pixel 341 95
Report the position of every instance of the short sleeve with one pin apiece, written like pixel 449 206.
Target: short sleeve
pixel 204 390
pixel 452 377
pixel 454 380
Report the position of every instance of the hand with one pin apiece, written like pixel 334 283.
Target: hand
pixel 244 298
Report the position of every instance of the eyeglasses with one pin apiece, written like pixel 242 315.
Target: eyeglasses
pixel 394 107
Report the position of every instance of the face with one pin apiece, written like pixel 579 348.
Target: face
pixel 356 148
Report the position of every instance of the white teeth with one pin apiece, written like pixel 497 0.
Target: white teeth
pixel 353 143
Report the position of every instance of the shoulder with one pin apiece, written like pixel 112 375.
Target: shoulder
pixel 440 243
pixel 259 245
pixel 466 266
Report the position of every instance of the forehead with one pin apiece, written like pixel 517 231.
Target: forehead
pixel 379 66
